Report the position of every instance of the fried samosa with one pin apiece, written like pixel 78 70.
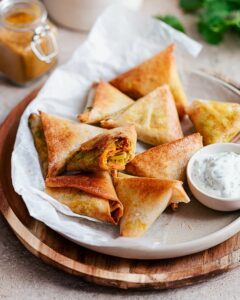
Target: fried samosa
pixel 35 125
pixel 108 151
pixel 154 116
pixel 95 183
pixel 63 138
pixel 144 199
pixel 103 100
pixel 158 70
pixel 218 122
pixel 92 195
pixel 167 161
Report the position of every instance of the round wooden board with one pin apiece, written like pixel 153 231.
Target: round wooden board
pixel 89 265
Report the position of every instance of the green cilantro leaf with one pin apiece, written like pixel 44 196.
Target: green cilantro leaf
pixel 172 21
pixel 190 5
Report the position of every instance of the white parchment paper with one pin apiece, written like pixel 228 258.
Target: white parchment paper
pixel 119 40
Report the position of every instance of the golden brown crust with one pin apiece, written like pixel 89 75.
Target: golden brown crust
pixel 35 125
pixel 154 116
pixel 106 100
pixel 167 161
pixel 98 184
pixel 144 199
pixel 63 137
pixel 218 122
pixel 88 205
pixel 144 78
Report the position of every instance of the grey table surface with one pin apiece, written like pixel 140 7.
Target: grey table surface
pixel 22 276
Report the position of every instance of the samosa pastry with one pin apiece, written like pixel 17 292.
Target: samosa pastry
pixel 95 183
pixel 86 204
pixel 177 197
pixel 218 122
pixel 154 116
pixel 107 151
pixel 167 161
pixel 63 138
pixel 92 195
pixel 144 199
pixel 103 100
pixel 35 125
pixel 158 70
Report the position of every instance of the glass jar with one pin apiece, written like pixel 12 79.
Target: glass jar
pixel 28 47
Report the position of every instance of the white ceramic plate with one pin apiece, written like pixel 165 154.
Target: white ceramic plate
pixel 190 229
pixel 193 227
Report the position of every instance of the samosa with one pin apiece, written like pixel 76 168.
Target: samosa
pixel 218 122
pixel 103 101
pixel 154 116
pixel 35 125
pixel 158 70
pixel 144 199
pixel 63 137
pixel 167 161
pixel 91 195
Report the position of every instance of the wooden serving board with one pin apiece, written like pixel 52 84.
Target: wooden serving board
pixel 92 266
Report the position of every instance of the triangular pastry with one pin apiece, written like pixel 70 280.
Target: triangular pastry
pixel 63 137
pixel 144 78
pixel 108 151
pixel 167 161
pixel 218 122
pixel 144 199
pixel 92 195
pixel 103 100
pixel 95 183
pixel 86 204
pixel 35 125
pixel 154 116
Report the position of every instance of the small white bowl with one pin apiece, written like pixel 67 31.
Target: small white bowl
pixel 217 203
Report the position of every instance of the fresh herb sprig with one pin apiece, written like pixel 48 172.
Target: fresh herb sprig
pixel 215 17
pixel 172 21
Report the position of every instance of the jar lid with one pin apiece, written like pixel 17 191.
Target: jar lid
pixel 22 15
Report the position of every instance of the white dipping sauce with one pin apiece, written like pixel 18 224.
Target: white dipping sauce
pixel 218 174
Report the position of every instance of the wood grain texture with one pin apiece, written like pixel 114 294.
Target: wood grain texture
pixel 92 266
